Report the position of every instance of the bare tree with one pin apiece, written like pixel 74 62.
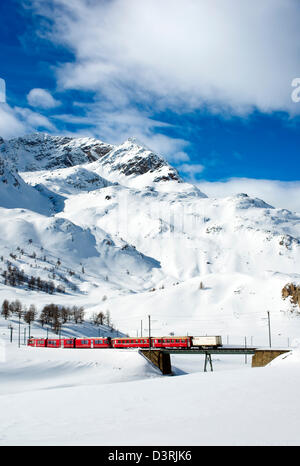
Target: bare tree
pixel 30 315
pixel 16 307
pixel 5 311
pixel 98 319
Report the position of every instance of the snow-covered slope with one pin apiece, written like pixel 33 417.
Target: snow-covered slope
pixel 14 192
pixel 150 242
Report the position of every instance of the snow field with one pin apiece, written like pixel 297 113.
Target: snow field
pixel 109 397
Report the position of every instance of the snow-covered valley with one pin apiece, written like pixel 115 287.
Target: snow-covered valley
pixel 115 228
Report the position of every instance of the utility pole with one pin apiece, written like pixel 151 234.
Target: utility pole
pixel 149 317
pixel 269 325
pixel 19 338
pixel 245 348
pixel 11 332
pixel 141 328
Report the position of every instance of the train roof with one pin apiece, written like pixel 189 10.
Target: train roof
pixel 145 338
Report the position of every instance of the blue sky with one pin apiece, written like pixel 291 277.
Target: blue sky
pixel 206 85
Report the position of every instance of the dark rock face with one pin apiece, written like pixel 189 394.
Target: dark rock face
pixel 140 165
pixel 293 292
pixel 42 151
pixel 132 158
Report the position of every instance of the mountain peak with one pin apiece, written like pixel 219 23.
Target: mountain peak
pixel 42 151
pixel 136 142
pixel 133 159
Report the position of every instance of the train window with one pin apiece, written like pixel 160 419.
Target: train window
pixel 84 342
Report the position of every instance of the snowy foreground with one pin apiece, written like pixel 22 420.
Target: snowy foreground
pixel 114 397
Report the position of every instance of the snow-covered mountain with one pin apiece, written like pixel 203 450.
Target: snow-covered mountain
pixel 41 151
pixel 120 222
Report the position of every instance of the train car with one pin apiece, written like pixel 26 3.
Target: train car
pixel 68 342
pixel 44 342
pixel 54 343
pixel 206 341
pixel 93 342
pixel 171 342
pixel 83 343
pixel 101 342
pixel 40 342
pixel 130 342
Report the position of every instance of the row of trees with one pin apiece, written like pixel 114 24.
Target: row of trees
pixel 16 308
pixel 56 315
pixel 15 277
pixel 53 315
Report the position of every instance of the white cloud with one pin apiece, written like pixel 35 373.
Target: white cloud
pixel 41 98
pixel 280 194
pixel 115 124
pixel 228 55
pixel 18 121
pixel 179 157
pixel 10 124
pixel 33 120
pixel 2 91
pixel 191 170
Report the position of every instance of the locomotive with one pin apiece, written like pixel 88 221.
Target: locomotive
pixel 129 342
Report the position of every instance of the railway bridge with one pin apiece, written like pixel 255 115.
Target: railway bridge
pixel 161 359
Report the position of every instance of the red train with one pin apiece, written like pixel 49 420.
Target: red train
pixel 70 342
pixel 128 342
